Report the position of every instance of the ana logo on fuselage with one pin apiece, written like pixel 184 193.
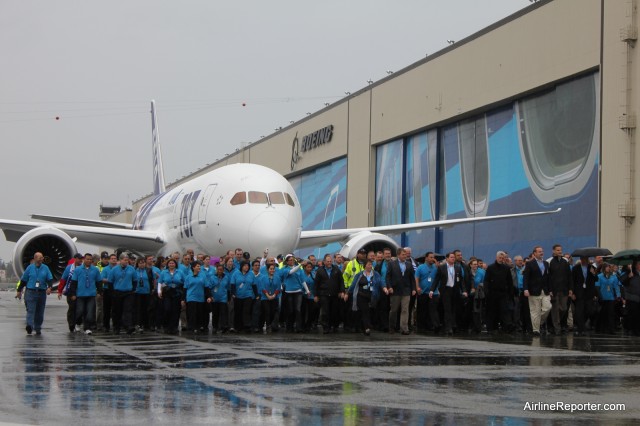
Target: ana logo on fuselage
pixel 186 213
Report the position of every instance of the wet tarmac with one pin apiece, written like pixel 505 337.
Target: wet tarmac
pixel 337 379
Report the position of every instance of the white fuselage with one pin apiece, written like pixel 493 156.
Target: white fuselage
pixel 243 206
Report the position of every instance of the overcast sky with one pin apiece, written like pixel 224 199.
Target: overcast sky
pixel 77 77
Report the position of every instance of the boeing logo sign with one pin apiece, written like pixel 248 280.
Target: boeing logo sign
pixel 309 142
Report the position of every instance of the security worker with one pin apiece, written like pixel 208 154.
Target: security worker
pixel 351 269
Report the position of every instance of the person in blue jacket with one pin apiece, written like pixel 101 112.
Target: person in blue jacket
pixel 198 290
pixel 269 288
pixel 608 291
pixel 38 280
pixel 142 296
pixel 86 283
pixel 63 289
pixel 229 270
pixel 107 293
pixel 219 286
pixel 125 280
pixel 294 288
pixel 425 274
pixel 310 304
pixel 477 295
pixel 170 289
pixel 363 288
pixel 243 291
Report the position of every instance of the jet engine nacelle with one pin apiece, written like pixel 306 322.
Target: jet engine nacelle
pixel 368 241
pixel 56 247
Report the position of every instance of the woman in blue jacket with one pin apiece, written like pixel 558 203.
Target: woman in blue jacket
pixel 142 295
pixel 269 288
pixel 608 291
pixel 310 303
pixel 195 285
pixel 170 289
pixel 294 288
pixel 365 286
pixel 219 285
pixel 244 291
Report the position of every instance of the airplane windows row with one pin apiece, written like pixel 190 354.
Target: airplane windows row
pixel 256 197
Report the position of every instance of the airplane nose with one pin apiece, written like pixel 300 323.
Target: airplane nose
pixel 271 230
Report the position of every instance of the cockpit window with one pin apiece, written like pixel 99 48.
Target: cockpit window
pixel 276 198
pixel 256 197
pixel 239 198
pixel 289 199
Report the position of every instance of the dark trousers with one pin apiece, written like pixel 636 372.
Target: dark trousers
pixel 141 310
pixel 422 314
pixel 434 313
pixel 364 307
pixel 152 310
pixel 267 311
pixel 382 310
pixel 195 315
pixel 86 312
pixel 606 321
pixel 71 313
pixel 107 307
pixel 329 312
pixel 312 311
pixel 242 315
pixel 498 311
pixel 448 299
pixel 412 309
pixel 579 314
pixel 220 316
pixel 171 313
pixel 525 313
pixel 123 310
pixel 294 310
pixel 632 320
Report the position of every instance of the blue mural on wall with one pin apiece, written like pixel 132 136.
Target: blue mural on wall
pixel 322 193
pixel 538 153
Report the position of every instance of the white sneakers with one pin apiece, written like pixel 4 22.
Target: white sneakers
pixel 78 329
pixel 87 332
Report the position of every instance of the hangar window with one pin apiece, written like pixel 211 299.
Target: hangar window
pixel 276 198
pixel 239 198
pixel 289 199
pixel 256 197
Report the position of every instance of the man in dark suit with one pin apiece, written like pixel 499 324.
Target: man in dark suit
pixel 450 283
pixel 559 285
pixel 498 284
pixel 329 286
pixel 582 292
pixel 400 282
pixel 535 282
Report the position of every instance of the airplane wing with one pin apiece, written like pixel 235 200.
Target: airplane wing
pixel 322 237
pixel 143 241
pixel 84 222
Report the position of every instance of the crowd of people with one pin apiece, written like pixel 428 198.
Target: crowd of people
pixel 375 291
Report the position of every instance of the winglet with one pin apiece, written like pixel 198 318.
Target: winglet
pixel 158 171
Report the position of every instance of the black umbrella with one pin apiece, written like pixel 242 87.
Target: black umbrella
pixel 591 252
pixel 624 257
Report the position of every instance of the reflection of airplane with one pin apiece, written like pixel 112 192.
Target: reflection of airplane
pixel 239 205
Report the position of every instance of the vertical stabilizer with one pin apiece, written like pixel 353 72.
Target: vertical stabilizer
pixel 158 171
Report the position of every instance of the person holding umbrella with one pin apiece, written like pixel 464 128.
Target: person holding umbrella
pixel 583 292
pixel 631 283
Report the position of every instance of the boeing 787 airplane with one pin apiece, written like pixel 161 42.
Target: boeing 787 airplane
pixel 239 205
